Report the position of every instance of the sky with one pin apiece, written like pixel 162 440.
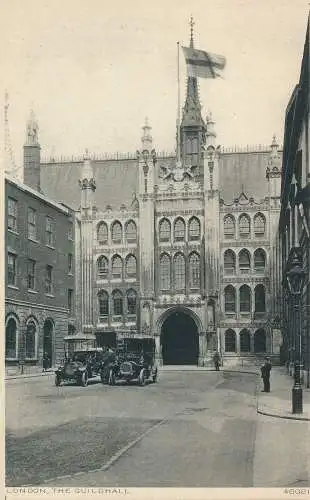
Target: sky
pixel 93 70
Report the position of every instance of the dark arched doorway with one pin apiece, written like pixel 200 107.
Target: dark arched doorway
pixel 179 340
pixel 48 329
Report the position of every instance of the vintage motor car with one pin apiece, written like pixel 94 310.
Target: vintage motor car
pixel 81 366
pixel 134 361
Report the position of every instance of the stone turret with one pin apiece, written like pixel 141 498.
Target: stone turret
pixel 88 186
pixel 273 170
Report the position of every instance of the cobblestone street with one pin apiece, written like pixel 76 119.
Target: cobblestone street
pixel 190 429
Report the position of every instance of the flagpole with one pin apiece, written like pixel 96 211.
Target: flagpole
pixel 178 114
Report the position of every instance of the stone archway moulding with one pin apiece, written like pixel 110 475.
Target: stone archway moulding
pixel 179 309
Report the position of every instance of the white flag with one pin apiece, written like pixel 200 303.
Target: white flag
pixel 201 64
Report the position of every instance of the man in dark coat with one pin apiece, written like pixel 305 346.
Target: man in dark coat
pixel 265 370
pixel 217 360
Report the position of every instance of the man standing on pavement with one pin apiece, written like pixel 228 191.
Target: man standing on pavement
pixel 265 370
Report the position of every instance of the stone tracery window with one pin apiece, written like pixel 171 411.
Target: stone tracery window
pixel 179 230
pixel 164 230
pixel 245 298
pixel 229 227
pixel 244 226
pixel 230 341
pixel 179 272
pixel 260 299
pixel 117 232
pixel 103 301
pixel 194 270
pixel 194 229
pixel 230 299
pixel 244 261
pixel 117 267
pixel 229 262
pixel 259 260
pixel 131 266
pixel 165 272
pixel 131 232
pixel 117 300
pixel 259 225
pixel 102 233
pixel 131 302
pixel 102 267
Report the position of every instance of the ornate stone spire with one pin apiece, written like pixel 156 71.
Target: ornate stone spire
pixel 146 139
pixel 87 180
pixel 192 107
pixel 210 134
pixel 274 162
pixel 191 40
pixel 32 130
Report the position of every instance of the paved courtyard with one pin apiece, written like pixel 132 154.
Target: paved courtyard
pixel 190 429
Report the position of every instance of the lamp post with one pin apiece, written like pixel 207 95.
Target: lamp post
pixel 295 280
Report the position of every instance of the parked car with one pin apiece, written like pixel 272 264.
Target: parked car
pixel 82 366
pixel 134 361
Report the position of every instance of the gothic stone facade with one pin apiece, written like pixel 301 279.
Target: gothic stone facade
pixel 186 256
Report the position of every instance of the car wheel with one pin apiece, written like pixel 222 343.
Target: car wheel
pixel 57 380
pixel 84 379
pixel 111 378
pixel 141 379
pixel 155 376
pixel 104 375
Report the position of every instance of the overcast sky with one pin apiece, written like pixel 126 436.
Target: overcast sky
pixel 92 70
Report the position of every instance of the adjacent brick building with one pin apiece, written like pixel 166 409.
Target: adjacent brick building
pixel 40 265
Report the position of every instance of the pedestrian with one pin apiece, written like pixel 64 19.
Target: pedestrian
pixel 265 371
pixel 45 362
pixel 217 361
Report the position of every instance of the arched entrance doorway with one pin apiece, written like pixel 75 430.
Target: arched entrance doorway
pixel 179 340
pixel 48 329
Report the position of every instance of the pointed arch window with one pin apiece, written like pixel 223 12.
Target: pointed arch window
pixel 102 267
pixel 131 232
pixel 117 301
pixel 244 261
pixel 179 272
pixel 230 341
pixel 229 262
pixel 260 299
pixel 165 272
pixel 117 232
pixel 131 302
pixel 102 233
pixel 259 225
pixel 179 230
pixel 164 230
pixel 260 340
pixel 259 260
pixel 131 266
pixel 30 340
pixel 229 227
pixel 244 226
pixel 103 302
pixel 230 299
pixel 11 338
pixel 117 267
pixel 194 270
pixel 245 341
pixel 194 229
pixel 245 299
